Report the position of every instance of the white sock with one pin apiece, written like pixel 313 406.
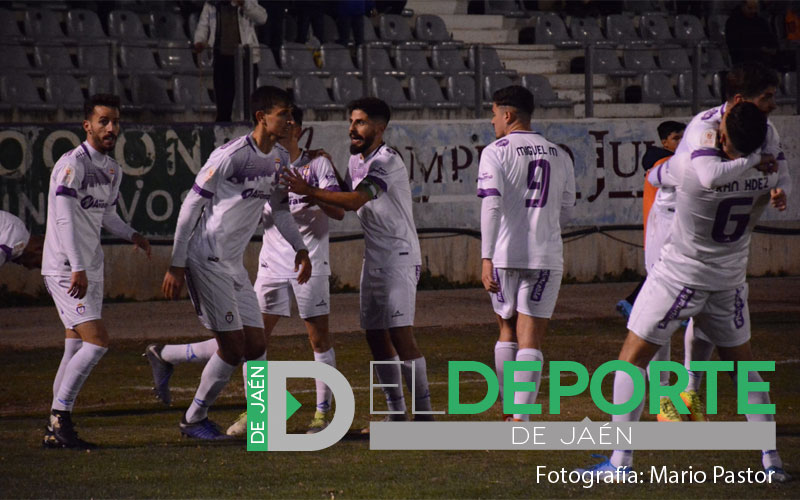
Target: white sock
pixel 422 395
pixel 75 374
pixel 696 349
pixel 623 390
pixel 503 351
pixel 389 373
pixel 215 376
pixel 323 391
pixel 198 352
pixel 527 397
pixel 769 458
pixel 71 346
pixel 263 357
pixel 661 355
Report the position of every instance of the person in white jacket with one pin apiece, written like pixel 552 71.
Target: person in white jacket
pixel 222 27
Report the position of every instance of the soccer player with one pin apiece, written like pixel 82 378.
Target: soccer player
pixel 215 223
pixel 381 197
pixel 16 243
pixel 277 281
pixel 701 273
pixel 527 185
pixel 84 188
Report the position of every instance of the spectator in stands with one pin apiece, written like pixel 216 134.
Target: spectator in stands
pixel 223 26
pixel 309 15
pixel 749 36
pixel 350 19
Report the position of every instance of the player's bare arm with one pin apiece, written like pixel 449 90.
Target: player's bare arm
pixel 173 282
pixel 349 201
pixel 140 241
pixel 302 263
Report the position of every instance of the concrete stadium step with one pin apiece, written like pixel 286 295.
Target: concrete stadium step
pixel 536 66
pixel 507 52
pixel 575 82
pixel 473 22
pixel 439 7
pixel 491 37
pixel 599 96
pixel 619 110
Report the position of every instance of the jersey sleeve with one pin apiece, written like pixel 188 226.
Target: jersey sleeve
pixel 712 171
pixel 326 177
pixel 568 197
pixel 14 237
pixel 490 179
pixel 207 179
pixel 377 179
pixel 773 146
pixel 68 179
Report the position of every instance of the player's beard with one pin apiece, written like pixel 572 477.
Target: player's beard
pixel 366 143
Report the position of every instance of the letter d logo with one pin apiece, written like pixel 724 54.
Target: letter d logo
pixel 269 405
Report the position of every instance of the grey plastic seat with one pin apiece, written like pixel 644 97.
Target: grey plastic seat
pixel 717 85
pixel 310 92
pixel 9 28
pixel 336 59
pixel 493 83
pixel 138 59
pixel 606 62
pixel 685 90
pixel 94 58
pixel 330 31
pixel 64 91
pixel 425 90
pixel 371 37
pixel 657 89
pixel 688 28
pixel 431 29
pixel 639 59
pixel 713 60
pixel 54 59
pixel 126 26
pixel 270 80
pixel 378 60
pixel 44 24
pixel 104 83
pixel 346 88
pixel 674 60
pixel 507 8
pixel 15 57
pixel 18 89
pixel 152 93
pixel 550 29
pixel 448 60
pixel 490 62
pixel 84 25
pixel 391 91
pixel 543 94
pixel 461 89
pixel 620 29
pixel 654 27
pixel 190 91
pixel 787 91
pixel 586 30
pixel 298 59
pixel 166 25
pixel 394 28
pixel 716 27
pixel 267 64
pixel 176 57
pixel 412 60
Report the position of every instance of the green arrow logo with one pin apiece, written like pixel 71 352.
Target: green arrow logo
pixel 292 405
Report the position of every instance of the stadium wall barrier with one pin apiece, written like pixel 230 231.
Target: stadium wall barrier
pixel 160 162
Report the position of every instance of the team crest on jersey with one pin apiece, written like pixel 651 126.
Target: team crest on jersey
pixel 111 170
pixel 210 175
pixel 709 139
pixel 80 309
pixel 501 143
pixel 68 175
pixel 229 317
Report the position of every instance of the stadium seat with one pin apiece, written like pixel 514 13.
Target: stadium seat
pixel 493 83
pixel 654 27
pixel 271 80
pixel 167 26
pixel 84 26
pixel 298 59
pixel 64 91
pixel 550 30
pixel 716 86
pixel 412 60
pixel 16 59
pixel 716 27
pixel 94 57
pixel 267 64
pixel 620 29
pixel 606 62
pixel 330 32
pixel 44 24
pixel 390 90
pixel 104 83
pixel 54 59
pixel 151 92
pixel 507 8
pixel 18 88
pixel 371 37
pixel 346 88
pixel 9 28
pixel 431 29
pixel 787 91
pixel 674 60
pixel 127 27
pixel 639 59
pixel 192 94
pixel 586 30
pixel 685 90
pixel 490 62
pixel 394 28
pixel 448 60
pixel 543 94
pixel 713 60
pixel 425 90
pixel 137 59
pixel 461 89
pixel 657 88
pixel 176 57
pixel 336 59
pixel 378 61
pixel 688 28
pixel 310 93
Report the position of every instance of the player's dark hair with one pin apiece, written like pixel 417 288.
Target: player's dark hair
pixel 746 126
pixel 267 97
pixel 750 79
pixel 515 96
pixel 297 116
pixel 107 100
pixel 375 108
pixel 668 127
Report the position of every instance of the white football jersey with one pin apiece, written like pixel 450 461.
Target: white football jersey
pixel 93 179
pixel 238 179
pixel 534 179
pixel 14 237
pixel 710 238
pixel 390 236
pixel 276 259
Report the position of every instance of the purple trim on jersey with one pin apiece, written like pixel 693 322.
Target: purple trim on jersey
pixel 334 188
pixel 500 296
pixel 95 176
pixel 483 193
pixel 377 181
pixel 738 309
pixel 524 132
pixel 501 143
pixel 252 172
pixel 680 303
pixel 418 270
pixel 658 173
pixel 65 191
pixel 706 152
pixel 87 150
pixel 7 250
pixel 539 286
pixel 193 295
pixel 202 192
pixel 781 156
pixel 115 200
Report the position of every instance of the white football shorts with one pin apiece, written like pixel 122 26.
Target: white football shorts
pixel 388 297
pixel 223 301
pixel 661 307
pixel 74 311
pixel 313 297
pixel 532 292
pixel 659 222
